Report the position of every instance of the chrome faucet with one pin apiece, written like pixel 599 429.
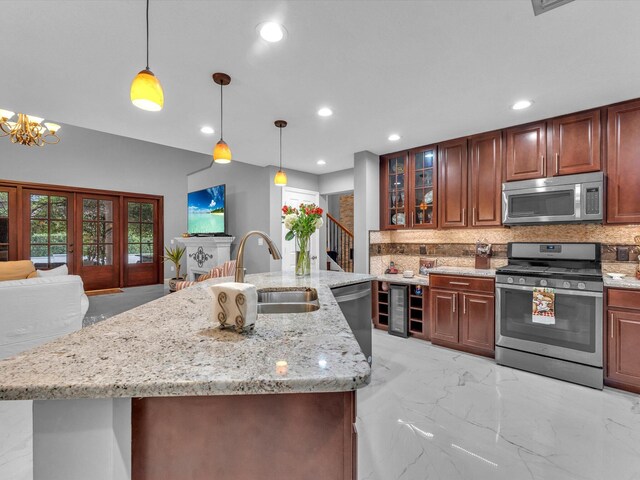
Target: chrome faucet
pixel 275 253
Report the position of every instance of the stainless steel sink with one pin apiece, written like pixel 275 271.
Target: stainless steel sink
pixel 267 308
pixel 287 300
pixel 275 295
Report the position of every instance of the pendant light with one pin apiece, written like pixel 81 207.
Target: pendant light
pixel 146 91
pixel 221 152
pixel 280 180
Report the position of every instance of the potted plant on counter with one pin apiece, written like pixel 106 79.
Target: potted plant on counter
pixel 302 222
pixel 174 254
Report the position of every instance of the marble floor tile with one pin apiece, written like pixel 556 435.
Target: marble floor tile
pixel 435 413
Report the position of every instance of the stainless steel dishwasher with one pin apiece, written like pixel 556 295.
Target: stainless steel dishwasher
pixel 355 303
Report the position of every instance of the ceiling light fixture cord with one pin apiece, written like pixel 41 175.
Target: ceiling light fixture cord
pixel 147 34
pixel 280 148
pixel 221 106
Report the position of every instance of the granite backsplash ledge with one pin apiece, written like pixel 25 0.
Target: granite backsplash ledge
pixel 455 247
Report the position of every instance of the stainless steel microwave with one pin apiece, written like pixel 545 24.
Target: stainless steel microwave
pixel 566 199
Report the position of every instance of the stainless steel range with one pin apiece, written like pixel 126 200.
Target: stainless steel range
pixel 549 311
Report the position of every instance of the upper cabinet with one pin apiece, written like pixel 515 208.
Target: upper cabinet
pixel 394 195
pixel 408 194
pixel 526 152
pixel 485 178
pixel 561 146
pixel 623 163
pixel 574 145
pixel 424 178
pixel 453 183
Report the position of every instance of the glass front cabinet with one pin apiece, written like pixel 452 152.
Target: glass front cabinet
pixel 408 186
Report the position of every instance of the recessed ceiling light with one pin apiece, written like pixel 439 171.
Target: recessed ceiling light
pixel 207 130
pixel 394 137
pixel 271 32
pixel 522 104
pixel 325 112
pixel 321 162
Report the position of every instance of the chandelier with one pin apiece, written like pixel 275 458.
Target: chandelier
pixel 28 130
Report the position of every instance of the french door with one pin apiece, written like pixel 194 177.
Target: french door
pixel 142 246
pixel 8 224
pixel 98 240
pixel 111 239
pixel 48 228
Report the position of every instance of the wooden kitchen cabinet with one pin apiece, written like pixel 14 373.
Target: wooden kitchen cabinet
pixel 423 187
pixel 453 183
pixel 444 325
pixel 463 313
pixel 477 327
pixel 417 305
pixel 394 198
pixel 525 157
pixel 574 145
pixel 623 163
pixel 485 178
pixel 622 369
pixel 560 146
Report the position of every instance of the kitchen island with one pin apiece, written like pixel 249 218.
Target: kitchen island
pixel 178 398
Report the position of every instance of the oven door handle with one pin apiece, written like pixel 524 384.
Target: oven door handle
pixel 579 293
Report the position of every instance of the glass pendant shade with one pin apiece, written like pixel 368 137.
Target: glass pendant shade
pixel 222 152
pixel 146 92
pixel 280 180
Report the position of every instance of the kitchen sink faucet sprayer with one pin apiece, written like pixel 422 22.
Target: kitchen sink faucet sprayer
pixel 273 249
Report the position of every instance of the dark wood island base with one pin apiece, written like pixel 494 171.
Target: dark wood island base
pixel 245 437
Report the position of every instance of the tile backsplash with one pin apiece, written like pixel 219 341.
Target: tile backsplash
pixel 455 247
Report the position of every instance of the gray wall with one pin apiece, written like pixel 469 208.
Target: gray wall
pixel 366 201
pixel 247 188
pixel 91 159
pixel 336 182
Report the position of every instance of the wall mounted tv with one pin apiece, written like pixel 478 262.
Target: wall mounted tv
pixel 207 211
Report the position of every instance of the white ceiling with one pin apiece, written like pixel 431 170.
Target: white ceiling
pixel 428 70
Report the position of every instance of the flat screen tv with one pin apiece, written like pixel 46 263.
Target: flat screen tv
pixel 206 214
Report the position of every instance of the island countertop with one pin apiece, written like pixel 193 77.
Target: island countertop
pixel 171 347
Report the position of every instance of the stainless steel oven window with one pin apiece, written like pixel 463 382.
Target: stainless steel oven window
pixel 577 316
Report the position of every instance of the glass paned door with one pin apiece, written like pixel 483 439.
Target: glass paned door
pixel 8 218
pixel 397 200
pixel 49 228
pixel 424 180
pixel 99 253
pixel 142 253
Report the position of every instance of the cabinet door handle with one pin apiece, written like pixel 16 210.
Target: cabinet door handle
pixel 473 216
pixel 459 283
pixel 544 166
pixel 464 221
pixel 464 304
pixel 557 163
pixel 611 324
pixel 455 300
pixel 412 219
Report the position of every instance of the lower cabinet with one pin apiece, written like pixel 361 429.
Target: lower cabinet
pixel 623 339
pixel 463 313
pixel 417 306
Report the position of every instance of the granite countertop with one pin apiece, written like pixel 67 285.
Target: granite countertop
pixel 464 271
pixel 398 278
pixel 171 347
pixel 626 282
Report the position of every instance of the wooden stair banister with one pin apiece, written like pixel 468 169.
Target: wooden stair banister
pixel 340 243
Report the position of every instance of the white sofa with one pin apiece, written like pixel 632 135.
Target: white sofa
pixel 32 312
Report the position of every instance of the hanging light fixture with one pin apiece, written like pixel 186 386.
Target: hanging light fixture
pixel 146 91
pixel 280 180
pixel 221 152
pixel 28 130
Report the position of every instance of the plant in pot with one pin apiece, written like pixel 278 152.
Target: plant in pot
pixel 174 254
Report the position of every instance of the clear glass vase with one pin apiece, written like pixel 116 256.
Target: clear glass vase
pixel 303 258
